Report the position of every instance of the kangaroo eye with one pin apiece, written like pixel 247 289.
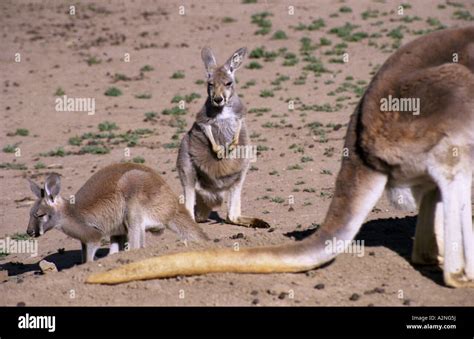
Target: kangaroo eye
pixel 39 215
pixel 228 84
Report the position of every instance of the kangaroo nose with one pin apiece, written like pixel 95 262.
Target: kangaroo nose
pixel 218 100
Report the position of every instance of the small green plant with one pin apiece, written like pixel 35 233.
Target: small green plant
pixel 94 149
pixel 254 65
pixel 178 75
pixel 306 159
pixel 13 166
pixel 107 126
pixel 10 148
pixel 266 93
pixel 345 9
pixel 228 20
pixel 146 68
pixel 92 60
pixel 20 236
pixel 143 96
pixel 149 116
pixel 262 21
pixel 139 160
pixel 463 15
pixel 279 35
pixel 22 132
pixel 75 141
pixel 40 165
pixel 174 111
pixel 294 167
pixel 58 152
pixel 113 92
pixel 59 92
pixel 325 42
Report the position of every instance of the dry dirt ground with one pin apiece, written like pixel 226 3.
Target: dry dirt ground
pixel 85 55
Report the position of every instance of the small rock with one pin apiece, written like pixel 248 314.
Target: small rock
pixel 407 302
pixel 282 295
pixel 21 304
pixel 255 302
pixel 372 254
pixel 47 267
pixel 237 236
pixel 354 297
pixel 319 286
pixel 254 292
pixel 3 276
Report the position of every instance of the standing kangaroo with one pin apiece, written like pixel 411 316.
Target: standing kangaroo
pixel 118 202
pixel 208 169
pixel 428 156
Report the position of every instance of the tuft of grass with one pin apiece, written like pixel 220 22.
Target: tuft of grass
pixel 325 42
pixel 228 20
pixel 20 236
pixel 463 15
pixel 254 65
pixel 92 60
pixel 13 166
pixel 59 92
pixel 178 75
pixel 94 149
pixel 345 9
pixel 40 165
pixel 107 126
pixel 346 32
pixel 175 111
pixel 139 160
pixel 113 92
pixel 262 21
pixel 10 148
pixel 294 167
pixel 150 116
pixel 143 96
pixel 146 68
pixel 75 141
pixel 58 152
pixel 266 93
pixel 306 159
pixel 279 35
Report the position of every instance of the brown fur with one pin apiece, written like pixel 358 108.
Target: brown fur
pixel 120 200
pixel 385 149
pixel 206 175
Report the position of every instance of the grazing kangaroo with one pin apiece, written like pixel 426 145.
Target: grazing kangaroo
pixel 208 169
pixel 118 202
pixel 428 156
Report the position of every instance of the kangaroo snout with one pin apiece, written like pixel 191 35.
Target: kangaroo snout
pixel 218 100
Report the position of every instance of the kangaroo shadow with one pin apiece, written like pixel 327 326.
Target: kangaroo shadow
pixel 62 260
pixel 395 234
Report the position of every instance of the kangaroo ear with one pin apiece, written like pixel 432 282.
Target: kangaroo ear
pixel 52 186
pixel 37 191
pixel 236 60
pixel 208 59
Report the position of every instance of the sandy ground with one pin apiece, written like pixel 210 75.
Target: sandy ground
pixel 84 56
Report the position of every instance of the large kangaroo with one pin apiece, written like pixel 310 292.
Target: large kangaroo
pixel 120 202
pixel 214 155
pixel 430 155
